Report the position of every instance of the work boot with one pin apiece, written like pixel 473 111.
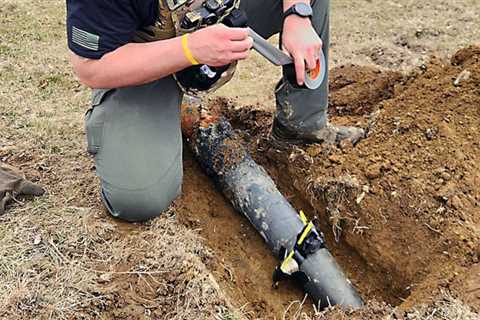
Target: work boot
pixel 302 118
pixel 329 133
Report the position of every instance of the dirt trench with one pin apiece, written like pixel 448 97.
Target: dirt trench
pixel 243 264
pixel 400 212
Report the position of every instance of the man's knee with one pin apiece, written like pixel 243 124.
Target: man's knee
pixel 140 205
pixel 136 202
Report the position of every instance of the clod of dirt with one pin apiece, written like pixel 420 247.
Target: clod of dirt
pixel 357 90
pixel 466 56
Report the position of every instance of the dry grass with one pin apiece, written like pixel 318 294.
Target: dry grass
pixel 93 269
pixel 445 308
pixel 61 256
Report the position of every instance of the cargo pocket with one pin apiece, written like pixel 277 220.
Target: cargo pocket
pixel 94 121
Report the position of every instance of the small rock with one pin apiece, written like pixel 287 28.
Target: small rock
pixel 446 176
pixel 445 131
pixel 463 76
pixel 438 171
pixel 430 134
pixel 335 159
pixel 104 278
pixel 374 171
pixel 419 33
pixel 37 240
pixel 455 202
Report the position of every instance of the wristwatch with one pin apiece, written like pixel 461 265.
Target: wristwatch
pixel 300 9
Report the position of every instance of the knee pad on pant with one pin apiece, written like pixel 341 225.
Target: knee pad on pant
pixel 146 203
pixel 138 206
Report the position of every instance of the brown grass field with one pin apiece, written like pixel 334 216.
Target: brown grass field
pixel 63 257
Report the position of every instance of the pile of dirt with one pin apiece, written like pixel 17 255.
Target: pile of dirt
pixel 356 90
pixel 406 199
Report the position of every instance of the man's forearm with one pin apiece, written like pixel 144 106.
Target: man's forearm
pixel 132 64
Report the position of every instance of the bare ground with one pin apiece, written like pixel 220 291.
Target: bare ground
pixel 62 257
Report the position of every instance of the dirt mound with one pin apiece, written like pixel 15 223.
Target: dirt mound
pixel 406 199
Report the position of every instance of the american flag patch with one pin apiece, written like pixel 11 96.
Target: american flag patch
pixel 85 39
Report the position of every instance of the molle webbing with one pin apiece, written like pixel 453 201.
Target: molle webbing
pixel 164 27
pixel 168 22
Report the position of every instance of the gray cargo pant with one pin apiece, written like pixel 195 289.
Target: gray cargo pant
pixel 134 133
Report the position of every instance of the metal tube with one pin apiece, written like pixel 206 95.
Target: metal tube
pixel 254 194
pixel 267 50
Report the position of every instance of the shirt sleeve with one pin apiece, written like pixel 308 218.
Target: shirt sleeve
pixel 96 27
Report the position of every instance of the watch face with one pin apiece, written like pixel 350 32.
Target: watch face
pixel 303 9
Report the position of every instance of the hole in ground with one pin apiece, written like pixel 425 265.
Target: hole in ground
pixel 243 264
pixel 371 281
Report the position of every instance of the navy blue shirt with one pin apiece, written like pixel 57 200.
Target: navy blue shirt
pixel 96 27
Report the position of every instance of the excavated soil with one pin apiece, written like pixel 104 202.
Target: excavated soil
pixel 401 210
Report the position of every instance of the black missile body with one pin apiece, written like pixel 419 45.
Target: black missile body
pixel 253 193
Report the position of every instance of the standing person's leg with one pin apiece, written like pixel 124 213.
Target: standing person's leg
pixel 301 113
pixel 135 136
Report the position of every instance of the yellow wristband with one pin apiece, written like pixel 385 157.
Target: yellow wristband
pixel 186 50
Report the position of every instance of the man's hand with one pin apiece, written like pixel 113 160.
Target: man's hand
pixel 219 45
pixel 302 42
